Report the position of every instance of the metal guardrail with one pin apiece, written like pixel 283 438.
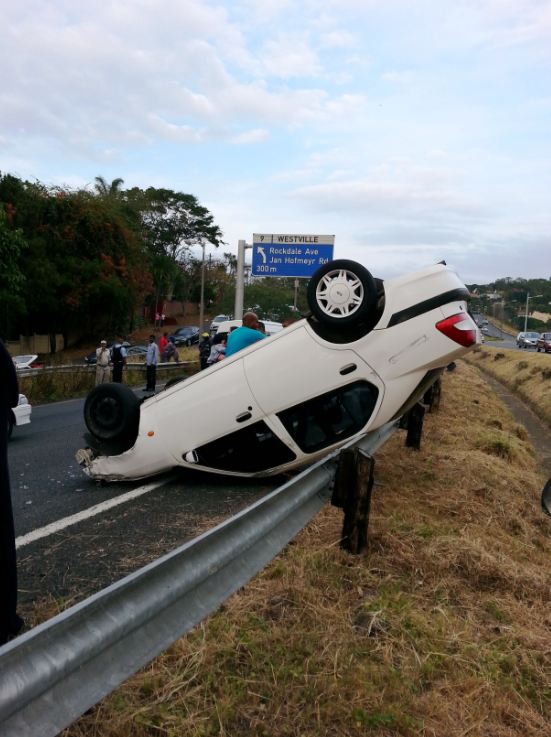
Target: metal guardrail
pixel 90 368
pixel 54 673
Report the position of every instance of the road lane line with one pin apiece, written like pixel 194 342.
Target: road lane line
pixel 61 524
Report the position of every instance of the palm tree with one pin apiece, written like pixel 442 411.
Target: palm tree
pixel 108 190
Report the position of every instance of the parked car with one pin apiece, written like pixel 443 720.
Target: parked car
pixel 188 335
pixel 27 362
pixel 544 343
pixel 527 340
pixel 367 353
pixel 136 353
pixel 20 415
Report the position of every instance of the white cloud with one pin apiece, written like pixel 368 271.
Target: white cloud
pixel 252 136
pixel 400 125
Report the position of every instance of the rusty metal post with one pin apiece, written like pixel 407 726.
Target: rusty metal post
pixel 352 492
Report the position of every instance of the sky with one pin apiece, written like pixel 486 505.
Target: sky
pixel 413 131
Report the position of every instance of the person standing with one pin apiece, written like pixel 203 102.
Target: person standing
pixel 151 361
pixel 103 371
pixel 204 350
pixel 162 342
pixel 170 351
pixel 10 621
pixel 244 336
pixel 118 359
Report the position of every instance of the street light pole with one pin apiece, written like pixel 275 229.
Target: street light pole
pixel 528 298
pixel 202 301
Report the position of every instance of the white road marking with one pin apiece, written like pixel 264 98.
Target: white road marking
pixel 61 524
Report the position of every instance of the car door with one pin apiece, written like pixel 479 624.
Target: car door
pixel 299 366
pixel 216 423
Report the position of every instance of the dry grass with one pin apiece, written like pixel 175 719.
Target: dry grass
pixel 442 629
pixel 526 374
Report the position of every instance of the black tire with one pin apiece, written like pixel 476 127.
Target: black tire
pixel 342 293
pixel 112 412
pixel 10 425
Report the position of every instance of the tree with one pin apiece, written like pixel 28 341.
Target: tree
pixel 171 223
pixel 86 268
pixel 12 247
pixel 108 190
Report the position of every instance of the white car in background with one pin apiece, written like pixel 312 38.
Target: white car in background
pixel 216 322
pixel 368 351
pixel 26 362
pixel 20 415
pixel 270 327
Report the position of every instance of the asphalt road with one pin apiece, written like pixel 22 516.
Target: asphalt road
pixel 70 561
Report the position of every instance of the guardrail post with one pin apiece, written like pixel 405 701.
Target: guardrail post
pixel 352 492
pixel 432 396
pixel 415 419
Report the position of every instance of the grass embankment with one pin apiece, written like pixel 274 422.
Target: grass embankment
pixel 526 374
pixel 441 629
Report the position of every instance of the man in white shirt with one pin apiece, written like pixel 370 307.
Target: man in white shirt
pixel 151 361
pixel 103 371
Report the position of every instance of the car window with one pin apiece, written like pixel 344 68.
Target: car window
pixel 253 448
pixel 331 417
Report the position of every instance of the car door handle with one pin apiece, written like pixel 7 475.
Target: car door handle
pixel 243 416
pixel 348 369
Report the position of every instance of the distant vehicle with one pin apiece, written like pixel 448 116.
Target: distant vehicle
pixel 544 343
pixel 366 354
pixel 188 335
pixel 527 340
pixel 27 362
pixel 270 326
pixel 136 352
pixel 216 321
pixel 20 415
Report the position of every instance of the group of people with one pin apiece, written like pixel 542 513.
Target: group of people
pixel 110 362
pixel 224 345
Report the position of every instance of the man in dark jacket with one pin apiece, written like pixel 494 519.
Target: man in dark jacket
pixel 204 350
pixel 10 622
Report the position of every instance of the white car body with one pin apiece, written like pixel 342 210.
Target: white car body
pixel 20 415
pixel 275 405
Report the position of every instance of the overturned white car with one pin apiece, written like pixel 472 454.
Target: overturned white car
pixel 367 352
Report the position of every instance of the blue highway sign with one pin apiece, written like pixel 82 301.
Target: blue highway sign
pixel 290 254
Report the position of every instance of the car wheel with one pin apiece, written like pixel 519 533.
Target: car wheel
pixel 342 293
pixel 112 412
pixel 10 426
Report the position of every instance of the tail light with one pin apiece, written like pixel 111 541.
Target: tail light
pixel 458 328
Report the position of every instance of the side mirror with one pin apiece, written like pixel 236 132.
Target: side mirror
pixel 546 498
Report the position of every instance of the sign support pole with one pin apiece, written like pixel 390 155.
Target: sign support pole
pixel 240 280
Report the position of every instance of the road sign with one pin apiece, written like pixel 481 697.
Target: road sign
pixel 290 254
